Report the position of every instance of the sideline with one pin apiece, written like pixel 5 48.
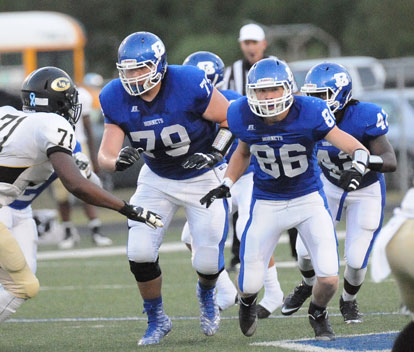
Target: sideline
pixel 121 250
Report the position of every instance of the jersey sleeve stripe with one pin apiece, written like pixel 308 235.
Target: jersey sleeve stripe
pixel 58 149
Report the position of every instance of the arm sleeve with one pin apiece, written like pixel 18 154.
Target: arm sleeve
pixel 56 135
pixel 376 121
pixel 323 122
pixel 201 89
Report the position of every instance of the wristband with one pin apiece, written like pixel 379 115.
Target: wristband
pixel 227 182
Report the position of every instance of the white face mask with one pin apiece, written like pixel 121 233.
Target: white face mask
pixel 137 85
pixel 269 108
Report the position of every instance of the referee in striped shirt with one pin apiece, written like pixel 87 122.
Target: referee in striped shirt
pixel 253 45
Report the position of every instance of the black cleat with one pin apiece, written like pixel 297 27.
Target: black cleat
pixel 247 317
pixel 320 324
pixel 295 300
pixel 262 312
pixel 350 311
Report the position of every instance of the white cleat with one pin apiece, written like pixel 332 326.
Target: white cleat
pixel 101 241
pixel 69 242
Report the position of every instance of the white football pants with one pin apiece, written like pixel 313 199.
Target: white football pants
pixel 364 209
pixel 269 219
pixel 164 196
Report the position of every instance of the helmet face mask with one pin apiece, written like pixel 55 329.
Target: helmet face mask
pixel 50 89
pixel 268 73
pixel 141 51
pixel 210 63
pixel 331 79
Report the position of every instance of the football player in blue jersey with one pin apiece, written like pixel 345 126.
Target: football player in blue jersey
pixel 241 195
pixel 364 207
pixel 281 130
pixel 170 117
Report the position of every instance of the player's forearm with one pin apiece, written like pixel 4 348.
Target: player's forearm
pixel 344 141
pixel 106 162
pixel 92 194
pixel 237 166
pixel 389 162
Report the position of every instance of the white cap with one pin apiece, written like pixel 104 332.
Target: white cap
pixel 251 32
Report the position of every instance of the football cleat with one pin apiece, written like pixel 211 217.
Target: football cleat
pixel 209 310
pixel 295 300
pixel 320 324
pixel 350 311
pixel 247 317
pixel 159 325
pixel 100 240
pixel 71 239
pixel 262 312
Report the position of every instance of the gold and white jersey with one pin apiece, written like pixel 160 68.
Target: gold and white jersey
pixel 26 141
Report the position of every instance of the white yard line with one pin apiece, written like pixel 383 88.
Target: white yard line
pixel 144 319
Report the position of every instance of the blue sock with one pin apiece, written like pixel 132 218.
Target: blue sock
pixel 206 288
pixel 152 302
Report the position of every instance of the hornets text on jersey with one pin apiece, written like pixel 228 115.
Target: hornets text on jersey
pixel 364 121
pixel 285 160
pixel 169 128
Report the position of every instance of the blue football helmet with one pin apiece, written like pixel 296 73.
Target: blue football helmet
pixel 269 73
pixel 210 63
pixel 331 82
pixel 141 50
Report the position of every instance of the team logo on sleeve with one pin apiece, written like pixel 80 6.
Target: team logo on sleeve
pixel 60 84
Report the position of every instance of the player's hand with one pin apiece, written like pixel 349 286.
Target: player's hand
pixel 219 192
pixel 350 179
pixel 140 214
pixel 127 157
pixel 201 160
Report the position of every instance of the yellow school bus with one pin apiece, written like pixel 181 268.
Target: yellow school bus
pixel 33 39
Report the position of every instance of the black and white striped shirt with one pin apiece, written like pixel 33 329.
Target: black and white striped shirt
pixel 235 76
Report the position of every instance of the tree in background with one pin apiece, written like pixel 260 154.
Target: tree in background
pixel 377 28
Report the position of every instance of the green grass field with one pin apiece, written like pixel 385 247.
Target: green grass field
pixel 92 304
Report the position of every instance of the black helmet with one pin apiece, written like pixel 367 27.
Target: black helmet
pixel 50 89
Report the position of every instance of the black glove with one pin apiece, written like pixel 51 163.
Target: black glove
pixel 127 157
pixel 219 192
pixel 135 213
pixel 350 179
pixel 201 160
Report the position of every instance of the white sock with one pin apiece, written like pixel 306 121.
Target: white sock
pixel 8 304
pixel 305 264
pixel 355 277
pixel 226 291
pixel 347 297
pixel 310 281
pixel 273 294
